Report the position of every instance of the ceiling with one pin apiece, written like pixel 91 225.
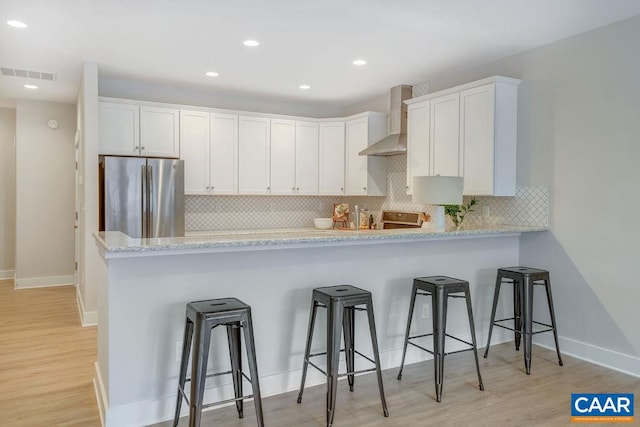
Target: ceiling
pixel 174 42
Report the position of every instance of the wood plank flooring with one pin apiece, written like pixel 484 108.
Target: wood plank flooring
pixel 46 371
pixel 46 359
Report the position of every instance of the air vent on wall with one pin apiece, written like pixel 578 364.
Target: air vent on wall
pixel 29 74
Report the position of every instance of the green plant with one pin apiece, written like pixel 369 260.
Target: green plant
pixel 458 212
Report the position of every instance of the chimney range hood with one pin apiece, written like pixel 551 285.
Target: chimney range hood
pixel 395 143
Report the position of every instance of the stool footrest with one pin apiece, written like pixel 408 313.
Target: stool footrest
pixel 347 373
pixel 222 402
pixel 446 335
pixel 495 323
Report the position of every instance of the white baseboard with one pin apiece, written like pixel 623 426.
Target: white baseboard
pixel 88 318
pixel 41 282
pixel 101 393
pixel 7 274
pixel 620 362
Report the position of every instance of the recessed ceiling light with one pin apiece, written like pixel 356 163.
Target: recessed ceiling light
pixel 304 87
pixel 17 24
pixel 251 43
pixel 31 86
pixel 211 74
pixel 359 62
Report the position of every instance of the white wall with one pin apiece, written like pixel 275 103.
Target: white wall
pixel 579 133
pixel 7 192
pixel 45 191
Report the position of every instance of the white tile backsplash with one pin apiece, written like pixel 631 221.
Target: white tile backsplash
pixel 530 206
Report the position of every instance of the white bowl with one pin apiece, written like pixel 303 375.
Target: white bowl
pixel 323 223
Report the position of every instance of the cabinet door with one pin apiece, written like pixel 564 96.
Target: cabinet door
pixel 445 135
pixel 418 141
pixel 159 131
pixel 477 136
pixel 283 156
pixel 253 155
pixel 307 158
pixel 194 143
pixel 332 158
pixel 357 168
pixel 119 129
pixel 223 175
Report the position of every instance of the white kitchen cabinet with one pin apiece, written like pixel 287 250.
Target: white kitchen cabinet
pixel 283 157
pixel 159 132
pixel 195 148
pixel 307 158
pixel 365 175
pixel 472 133
pixel 254 155
pixel 223 156
pixel 209 148
pixel 332 158
pixel 418 157
pixel 119 129
pixel 488 132
pixel 444 135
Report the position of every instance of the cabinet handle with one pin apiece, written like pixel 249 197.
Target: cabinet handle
pixel 364 188
pixel 135 148
pixel 297 188
pixel 341 188
pixel 268 188
pixel 142 148
pixel 293 188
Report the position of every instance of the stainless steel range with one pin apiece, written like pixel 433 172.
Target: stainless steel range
pixel 399 219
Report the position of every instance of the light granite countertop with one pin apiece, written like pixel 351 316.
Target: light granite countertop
pixel 114 244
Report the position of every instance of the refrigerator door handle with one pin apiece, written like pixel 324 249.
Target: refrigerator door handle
pixel 143 176
pixel 150 202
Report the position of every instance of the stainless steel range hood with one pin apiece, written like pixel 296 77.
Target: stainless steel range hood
pixel 396 142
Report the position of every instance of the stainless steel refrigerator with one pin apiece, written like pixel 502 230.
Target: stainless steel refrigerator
pixel 142 197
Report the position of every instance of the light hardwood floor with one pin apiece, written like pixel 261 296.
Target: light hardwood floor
pixel 46 370
pixel 46 359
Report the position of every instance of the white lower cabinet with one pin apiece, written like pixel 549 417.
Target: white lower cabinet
pixel 332 158
pixel 254 155
pixel 365 175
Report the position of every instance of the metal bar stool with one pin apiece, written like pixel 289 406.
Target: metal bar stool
pixel 204 316
pixel 341 303
pixel 523 280
pixel 440 288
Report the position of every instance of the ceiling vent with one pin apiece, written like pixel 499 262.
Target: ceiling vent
pixel 28 74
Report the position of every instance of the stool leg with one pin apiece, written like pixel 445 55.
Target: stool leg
pixel 517 312
pixel 376 354
pixel 412 304
pixel 335 312
pixel 201 342
pixel 473 335
pixel 527 312
pixel 253 367
pixel 552 314
pixel 184 362
pixel 439 307
pixel 307 350
pixel 496 293
pixel 349 336
pixel 235 353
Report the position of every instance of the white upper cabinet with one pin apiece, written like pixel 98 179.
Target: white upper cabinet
pixel 283 156
pixel 159 132
pixel 418 158
pixel 209 148
pixel 194 141
pixel 332 158
pixel 365 175
pixel 445 135
pixel 127 129
pixel 472 133
pixel 307 158
pixel 119 129
pixel 488 134
pixel 254 155
pixel 223 156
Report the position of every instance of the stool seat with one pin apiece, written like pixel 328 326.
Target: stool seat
pixel 341 303
pixel 440 288
pixel 523 280
pixel 201 318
